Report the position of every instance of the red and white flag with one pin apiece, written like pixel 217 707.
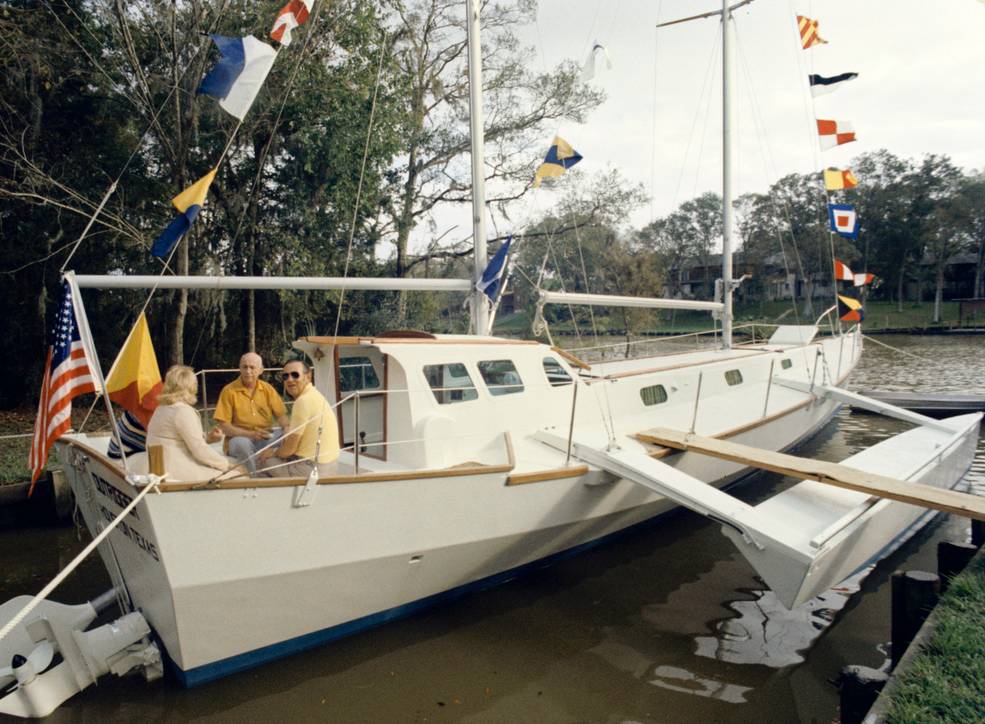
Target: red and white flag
pixel 66 376
pixel 863 279
pixel 834 133
pixel 843 273
pixel 290 16
pixel 808 32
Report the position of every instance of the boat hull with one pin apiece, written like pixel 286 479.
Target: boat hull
pixel 282 578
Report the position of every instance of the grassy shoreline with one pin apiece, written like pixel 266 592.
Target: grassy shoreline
pixel 945 681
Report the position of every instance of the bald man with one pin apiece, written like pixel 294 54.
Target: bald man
pixel 247 410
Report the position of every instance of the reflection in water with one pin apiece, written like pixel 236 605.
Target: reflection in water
pixel 768 634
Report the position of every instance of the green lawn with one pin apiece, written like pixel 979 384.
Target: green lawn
pixel 946 681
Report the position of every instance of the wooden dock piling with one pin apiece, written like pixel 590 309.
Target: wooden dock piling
pixel 914 595
pixel 859 687
pixel 952 559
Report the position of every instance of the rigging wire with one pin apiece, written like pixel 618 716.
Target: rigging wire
pixel 359 187
pixel 153 121
pixel 653 113
pixel 694 121
pixel 810 107
pixel 769 167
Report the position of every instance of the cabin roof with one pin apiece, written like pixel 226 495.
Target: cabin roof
pixel 423 338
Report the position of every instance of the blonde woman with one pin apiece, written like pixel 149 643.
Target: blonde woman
pixel 177 428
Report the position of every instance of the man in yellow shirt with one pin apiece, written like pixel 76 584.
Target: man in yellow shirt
pixel 312 430
pixel 246 411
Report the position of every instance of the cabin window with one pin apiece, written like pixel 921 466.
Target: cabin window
pixel 450 383
pixel 786 363
pixel 501 377
pixel 733 377
pixel 653 395
pixel 556 374
pixel 357 373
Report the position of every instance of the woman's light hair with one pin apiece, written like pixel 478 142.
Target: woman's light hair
pixel 180 385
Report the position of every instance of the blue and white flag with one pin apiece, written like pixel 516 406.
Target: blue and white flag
pixel 843 220
pixel 493 274
pixel 238 76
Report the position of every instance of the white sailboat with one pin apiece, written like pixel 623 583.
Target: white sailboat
pixel 467 460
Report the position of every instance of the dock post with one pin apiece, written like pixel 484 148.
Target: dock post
pixel 977 533
pixel 952 559
pixel 859 688
pixel 914 595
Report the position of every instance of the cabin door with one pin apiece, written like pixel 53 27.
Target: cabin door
pixel 363 371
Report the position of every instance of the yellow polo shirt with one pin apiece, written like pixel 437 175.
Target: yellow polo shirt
pixel 255 410
pixel 311 409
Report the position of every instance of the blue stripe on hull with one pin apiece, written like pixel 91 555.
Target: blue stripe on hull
pixel 241 662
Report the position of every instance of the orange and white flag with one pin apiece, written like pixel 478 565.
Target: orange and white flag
pixel 290 16
pixel 808 32
pixel 834 133
pixel 842 272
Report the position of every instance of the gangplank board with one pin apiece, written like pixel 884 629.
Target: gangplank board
pixel 842 476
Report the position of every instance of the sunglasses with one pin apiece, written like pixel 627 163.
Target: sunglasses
pixel 290 376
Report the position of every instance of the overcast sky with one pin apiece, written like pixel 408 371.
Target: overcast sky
pixel 920 90
pixel 921 86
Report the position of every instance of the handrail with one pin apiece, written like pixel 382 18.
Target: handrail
pixel 824 314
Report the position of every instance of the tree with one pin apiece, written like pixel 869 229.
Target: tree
pixel 430 55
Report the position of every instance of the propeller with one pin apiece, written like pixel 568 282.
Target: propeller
pixel 25 669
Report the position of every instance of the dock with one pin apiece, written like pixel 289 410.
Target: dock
pixel 932 404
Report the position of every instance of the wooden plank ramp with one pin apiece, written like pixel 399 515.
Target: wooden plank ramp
pixel 842 476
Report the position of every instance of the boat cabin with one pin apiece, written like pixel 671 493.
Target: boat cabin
pixel 409 397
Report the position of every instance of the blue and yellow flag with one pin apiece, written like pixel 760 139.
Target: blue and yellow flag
pixel 559 159
pixel 189 202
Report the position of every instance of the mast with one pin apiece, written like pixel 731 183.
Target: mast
pixel 480 308
pixel 728 158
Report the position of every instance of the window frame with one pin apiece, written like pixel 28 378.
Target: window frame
pixel 501 389
pixel 438 392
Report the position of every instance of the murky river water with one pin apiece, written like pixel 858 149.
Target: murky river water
pixel 668 624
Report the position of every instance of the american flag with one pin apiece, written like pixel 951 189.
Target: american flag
pixel 66 375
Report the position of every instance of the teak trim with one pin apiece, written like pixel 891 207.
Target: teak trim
pixel 541 475
pixel 572 360
pixel 468 469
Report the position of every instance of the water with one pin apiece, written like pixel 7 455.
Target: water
pixel 668 624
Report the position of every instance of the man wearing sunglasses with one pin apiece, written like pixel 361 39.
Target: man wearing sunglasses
pixel 311 431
